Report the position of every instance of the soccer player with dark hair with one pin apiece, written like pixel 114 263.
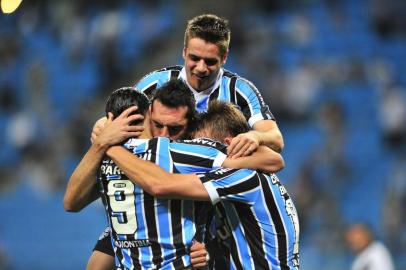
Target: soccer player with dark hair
pixel 173 111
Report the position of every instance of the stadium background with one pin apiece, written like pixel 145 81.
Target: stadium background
pixel 333 73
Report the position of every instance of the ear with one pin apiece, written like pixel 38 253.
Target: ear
pixel 227 140
pixel 224 60
pixel 184 53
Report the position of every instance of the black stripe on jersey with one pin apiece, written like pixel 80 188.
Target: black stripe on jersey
pixel 150 90
pixel 184 158
pixel 242 187
pixel 243 104
pixel 177 67
pixel 215 94
pixel 223 172
pixel 253 235
pixel 149 210
pixel 175 74
pixel 233 97
pixel 150 220
pixel 177 230
pixel 277 220
pixel 234 254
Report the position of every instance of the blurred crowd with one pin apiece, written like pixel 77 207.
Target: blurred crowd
pixel 333 73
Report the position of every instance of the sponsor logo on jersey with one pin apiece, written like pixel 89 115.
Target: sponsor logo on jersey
pixel 132 243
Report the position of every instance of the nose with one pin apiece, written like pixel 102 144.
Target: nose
pixel 164 132
pixel 201 66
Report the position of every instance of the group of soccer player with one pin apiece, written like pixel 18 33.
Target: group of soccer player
pixel 185 136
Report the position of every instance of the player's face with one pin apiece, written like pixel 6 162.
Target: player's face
pixel 168 122
pixel 202 63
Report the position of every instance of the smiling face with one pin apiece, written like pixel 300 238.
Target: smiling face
pixel 168 122
pixel 202 63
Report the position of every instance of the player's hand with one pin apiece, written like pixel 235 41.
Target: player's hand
pixel 98 128
pixel 119 129
pixel 243 144
pixel 198 255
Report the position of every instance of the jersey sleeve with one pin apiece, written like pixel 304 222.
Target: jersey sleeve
pixel 150 82
pixel 231 185
pixel 251 102
pixel 197 155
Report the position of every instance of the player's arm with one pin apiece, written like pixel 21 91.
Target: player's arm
pixel 263 159
pixel 155 180
pixel 265 132
pixel 82 186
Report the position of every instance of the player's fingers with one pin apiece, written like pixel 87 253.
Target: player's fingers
pixel 127 112
pixel 233 143
pixel 241 151
pixel 237 148
pixel 250 150
pixel 199 261
pixel 134 117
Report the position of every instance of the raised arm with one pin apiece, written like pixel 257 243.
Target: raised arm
pixel 155 180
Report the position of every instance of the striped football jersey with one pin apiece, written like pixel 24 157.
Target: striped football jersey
pixel 257 222
pixel 149 232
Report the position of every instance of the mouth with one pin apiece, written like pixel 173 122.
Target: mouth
pixel 200 77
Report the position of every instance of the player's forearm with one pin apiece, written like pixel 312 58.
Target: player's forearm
pixel 82 186
pixel 271 138
pixel 154 180
pixel 269 135
pixel 263 159
pixel 143 173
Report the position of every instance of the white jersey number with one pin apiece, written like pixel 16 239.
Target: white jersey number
pixel 121 197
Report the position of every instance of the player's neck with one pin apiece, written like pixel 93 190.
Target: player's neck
pixel 146 134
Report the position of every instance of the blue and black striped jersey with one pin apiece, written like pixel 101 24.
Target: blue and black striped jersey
pixel 257 221
pixel 229 87
pixel 148 232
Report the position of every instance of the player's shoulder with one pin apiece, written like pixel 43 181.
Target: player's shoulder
pixel 241 174
pixel 203 142
pixel 161 73
pixel 156 78
pixel 238 80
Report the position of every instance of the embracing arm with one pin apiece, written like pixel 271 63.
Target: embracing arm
pixel 263 159
pixel 82 186
pixel 266 132
pixel 155 180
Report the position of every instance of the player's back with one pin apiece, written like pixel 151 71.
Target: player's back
pixel 257 221
pixel 148 231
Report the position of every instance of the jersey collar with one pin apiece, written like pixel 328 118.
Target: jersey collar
pixel 206 92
